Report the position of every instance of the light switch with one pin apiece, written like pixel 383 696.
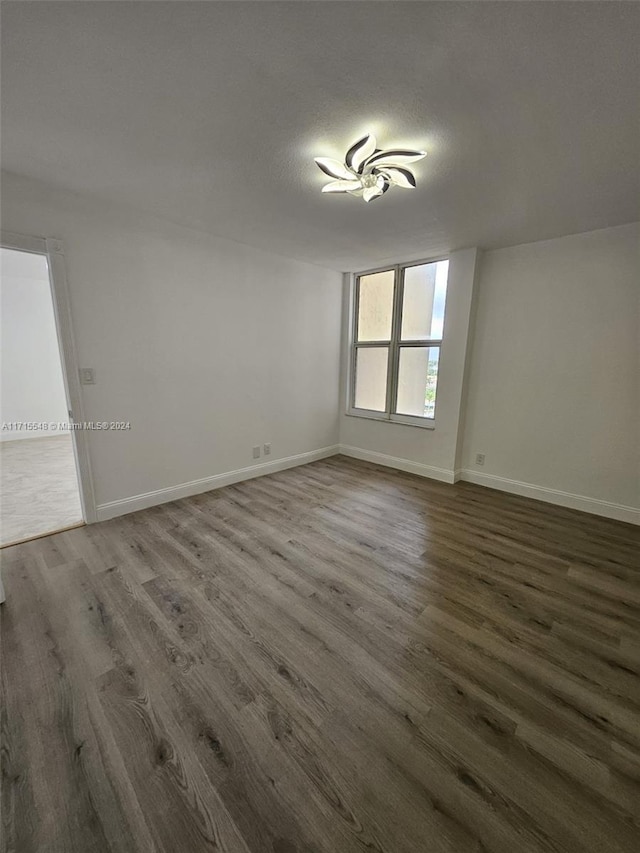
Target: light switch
pixel 87 376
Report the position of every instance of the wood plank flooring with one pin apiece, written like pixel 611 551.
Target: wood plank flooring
pixel 332 659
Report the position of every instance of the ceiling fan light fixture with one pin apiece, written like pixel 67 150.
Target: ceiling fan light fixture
pixel 368 171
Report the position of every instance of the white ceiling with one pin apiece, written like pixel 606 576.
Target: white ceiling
pixel 210 114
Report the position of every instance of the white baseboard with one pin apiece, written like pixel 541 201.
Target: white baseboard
pixel 112 509
pixel 554 496
pixel 443 474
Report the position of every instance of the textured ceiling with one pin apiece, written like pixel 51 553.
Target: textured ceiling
pixel 210 114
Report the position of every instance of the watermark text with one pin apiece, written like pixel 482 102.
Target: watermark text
pixel 63 426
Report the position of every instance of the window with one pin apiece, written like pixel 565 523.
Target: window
pixel 397 336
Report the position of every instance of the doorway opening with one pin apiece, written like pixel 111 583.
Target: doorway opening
pixel 39 479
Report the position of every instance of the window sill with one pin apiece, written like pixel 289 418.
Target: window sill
pixel 429 423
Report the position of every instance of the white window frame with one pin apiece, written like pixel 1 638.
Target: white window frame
pixel 394 346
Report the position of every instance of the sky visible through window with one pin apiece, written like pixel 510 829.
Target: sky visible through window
pixel 439 299
pixel 437 329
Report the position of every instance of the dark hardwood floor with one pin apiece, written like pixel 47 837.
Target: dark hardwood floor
pixel 331 659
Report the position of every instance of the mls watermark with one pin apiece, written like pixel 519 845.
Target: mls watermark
pixel 62 426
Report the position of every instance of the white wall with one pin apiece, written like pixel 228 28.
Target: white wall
pixel 554 380
pixel 206 346
pixel 431 452
pixel 31 383
pixel 540 373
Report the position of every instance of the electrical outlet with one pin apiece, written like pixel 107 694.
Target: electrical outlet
pixel 267 448
pixel 479 458
pixel 87 376
pixel 256 452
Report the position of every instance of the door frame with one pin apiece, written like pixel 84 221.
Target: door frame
pixel 53 250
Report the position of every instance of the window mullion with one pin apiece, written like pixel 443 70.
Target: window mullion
pixel 353 348
pixel 421 343
pixel 394 351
